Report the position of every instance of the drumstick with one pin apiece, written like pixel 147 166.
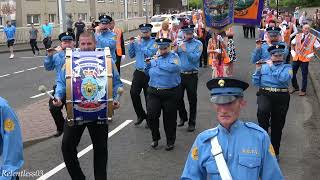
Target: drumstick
pixel 119 94
pixel 43 89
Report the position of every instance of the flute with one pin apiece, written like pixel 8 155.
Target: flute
pixel 151 58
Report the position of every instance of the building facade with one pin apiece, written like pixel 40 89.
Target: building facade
pixel 167 6
pixel 36 11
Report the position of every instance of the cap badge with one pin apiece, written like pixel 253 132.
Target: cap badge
pixel 161 40
pixel 221 83
pixel 277 46
pixel 272 28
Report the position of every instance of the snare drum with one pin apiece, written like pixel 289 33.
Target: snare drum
pixel 88 86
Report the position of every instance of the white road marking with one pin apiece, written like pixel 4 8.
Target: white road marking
pixel 127 64
pixel 39 95
pixel 31 57
pixel 41 66
pixel 83 152
pixel 126 81
pixel 30 69
pixel 4 75
pixel 17 72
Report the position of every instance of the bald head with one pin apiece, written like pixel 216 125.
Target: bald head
pixel 306 29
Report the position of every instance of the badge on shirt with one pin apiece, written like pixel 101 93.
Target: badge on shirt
pixel 176 61
pixel 291 72
pixel 194 153
pixel 155 46
pixel 8 125
pixel 114 37
pixel 271 150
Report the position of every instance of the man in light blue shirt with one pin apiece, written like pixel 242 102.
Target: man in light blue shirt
pixel 47 33
pixel 11 152
pixel 245 148
pixel 10 32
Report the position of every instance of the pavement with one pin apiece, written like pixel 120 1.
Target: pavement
pixel 130 156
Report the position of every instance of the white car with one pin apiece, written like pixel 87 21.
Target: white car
pixel 157 21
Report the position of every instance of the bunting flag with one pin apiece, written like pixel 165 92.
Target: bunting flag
pixel 218 14
pixel 248 11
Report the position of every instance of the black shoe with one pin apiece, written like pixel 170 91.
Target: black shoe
pixel 181 123
pixel 139 121
pixel 191 128
pixel 154 144
pixel 169 147
pixel 58 133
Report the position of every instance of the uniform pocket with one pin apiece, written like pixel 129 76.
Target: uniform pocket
pixel 249 167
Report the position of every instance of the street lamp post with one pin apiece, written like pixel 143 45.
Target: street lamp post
pixel 62 15
pixel 277 9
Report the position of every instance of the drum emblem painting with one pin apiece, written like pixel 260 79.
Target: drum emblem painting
pixel 88 98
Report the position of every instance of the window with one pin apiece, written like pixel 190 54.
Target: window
pixel 121 1
pixel 101 1
pixel 135 14
pixel 52 18
pixel 134 1
pixel 144 2
pixel 111 1
pixel 83 16
pixel 1 20
pixel 33 18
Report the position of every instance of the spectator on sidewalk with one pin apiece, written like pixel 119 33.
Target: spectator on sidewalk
pixel 303 19
pixel 10 31
pixel 316 20
pixel 11 151
pixel 120 48
pixel 69 23
pixel 79 27
pixel 33 39
pixel 296 15
pixel 47 33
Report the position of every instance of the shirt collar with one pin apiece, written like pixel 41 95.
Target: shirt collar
pixel 236 125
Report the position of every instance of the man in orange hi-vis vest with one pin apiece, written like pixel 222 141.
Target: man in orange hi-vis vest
pixel 120 48
pixel 303 49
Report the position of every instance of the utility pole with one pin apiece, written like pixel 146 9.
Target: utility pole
pixel 62 15
pixel 126 9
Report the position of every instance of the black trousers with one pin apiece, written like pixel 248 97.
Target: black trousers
pixel 56 112
pixel 118 63
pixel 252 31
pixel 165 100
pixel 204 55
pixel 34 46
pixel 272 111
pixel 189 83
pixel 304 71
pixel 77 38
pixel 99 138
pixel 140 81
pixel 245 31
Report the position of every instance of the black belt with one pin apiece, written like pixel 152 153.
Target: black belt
pixel 271 89
pixel 161 89
pixel 189 72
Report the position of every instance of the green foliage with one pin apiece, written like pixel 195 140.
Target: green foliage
pixel 294 3
pixel 194 4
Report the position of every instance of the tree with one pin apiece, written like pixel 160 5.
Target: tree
pixel 194 4
pixel 8 9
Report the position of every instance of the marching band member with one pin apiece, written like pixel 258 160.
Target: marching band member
pixel 98 132
pixel 163 93
pixel 234 148
pixel 304 45
pixel 273 79
pixel 189 52
pixel 11 151
pixel 105 37
pixel 142 48
pixel 54 60
pixel 218 57
pixel 261 50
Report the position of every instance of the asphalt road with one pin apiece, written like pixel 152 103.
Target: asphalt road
pixel 130 156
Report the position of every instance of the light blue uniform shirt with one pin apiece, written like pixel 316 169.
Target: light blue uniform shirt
pixel 246 149
pixel 263 54
pixel 277 76
pixel 147 49
pixel 47 30
pixel 61 82
pixel 107 39
pixel 190 59
pixel 165 71
pixel 55 62
pixel 11 147
pixel 10 32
